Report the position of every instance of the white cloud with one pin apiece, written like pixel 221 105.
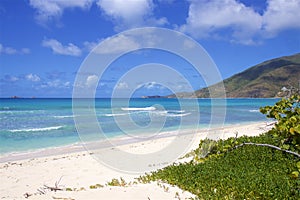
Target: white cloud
pixel 12 51
pixel 206 18
pixel 233 21
pixel 188 44
pixel 130 13
pixel 49 9
pixel 124 13
pixel 56 84
pixel 91 80
pixel 9 50
pixel 32 77
pixel 120 43
pixel 150 86
pixel 122 85
pixel 67 84
pixel 58 48
pixel 281 15
pixel 89 46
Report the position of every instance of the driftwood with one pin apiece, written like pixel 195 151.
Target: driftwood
pixel 52 188
pixel 56 186
pixel 43 190
pixel 268 145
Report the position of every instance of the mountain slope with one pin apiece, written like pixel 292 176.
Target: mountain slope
pixel 261 81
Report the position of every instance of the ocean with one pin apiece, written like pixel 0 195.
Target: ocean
pixel 33 124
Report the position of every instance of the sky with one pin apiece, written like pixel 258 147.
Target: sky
pixel 44 43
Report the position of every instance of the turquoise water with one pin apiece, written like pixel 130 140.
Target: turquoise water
pixel 28 124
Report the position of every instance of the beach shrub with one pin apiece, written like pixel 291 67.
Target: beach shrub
pixel 286 112
pixel 261 167
pixel 249 172
pixel 96 186
pixel 117 182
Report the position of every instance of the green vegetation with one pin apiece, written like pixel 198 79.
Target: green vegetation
pixel 264 80
pixel 248 172
pixel 117 182
pixel 287 114
pixel 96 186
pixel 246 167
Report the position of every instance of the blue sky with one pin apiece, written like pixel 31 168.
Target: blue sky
pixel 44 42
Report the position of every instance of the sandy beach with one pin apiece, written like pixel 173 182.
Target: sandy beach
pixel 81 176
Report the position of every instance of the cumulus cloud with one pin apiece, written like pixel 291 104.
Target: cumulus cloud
pixel 281 15
pixel 150 86
pixel 131 13
pixel 89 46
pixel 233 21
pixel 32 77
pixel 122 85
pixel 91 80
pixel 50 9
pixel 11 51
pixel 125 14
pixel 206 18
pixel 58 48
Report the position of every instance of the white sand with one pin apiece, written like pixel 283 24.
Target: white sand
pixel 80 170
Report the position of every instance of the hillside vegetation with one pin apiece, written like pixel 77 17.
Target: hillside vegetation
pixel 264 80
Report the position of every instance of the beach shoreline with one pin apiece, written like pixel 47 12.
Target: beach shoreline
pixel 80 169
pixel 116 140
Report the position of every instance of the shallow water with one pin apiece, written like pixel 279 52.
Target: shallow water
pixel 28 124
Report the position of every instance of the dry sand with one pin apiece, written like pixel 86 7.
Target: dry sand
pixel 79 170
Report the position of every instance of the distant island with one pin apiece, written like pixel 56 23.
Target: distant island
pixel 270 79
pixel 152 97
pixel 15 97
pixel 18 97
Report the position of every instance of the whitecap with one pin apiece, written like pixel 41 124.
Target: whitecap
pixel 176 111
pixel 114 114
pixel 36 129
pixel 139 109
pixel 178 115
pixel 63 116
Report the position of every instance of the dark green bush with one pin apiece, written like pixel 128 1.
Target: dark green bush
pixel 230 169
pixel 249 172
pixel 286 112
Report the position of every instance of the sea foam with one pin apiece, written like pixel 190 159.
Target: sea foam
pixel 139 109
pixel 36 129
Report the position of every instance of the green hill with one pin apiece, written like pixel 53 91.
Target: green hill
pixel 260 81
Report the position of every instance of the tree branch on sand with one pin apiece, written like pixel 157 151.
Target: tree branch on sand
pixel 43 190
pixel 267 145
pixel 56 186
